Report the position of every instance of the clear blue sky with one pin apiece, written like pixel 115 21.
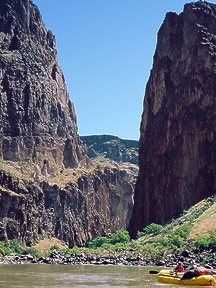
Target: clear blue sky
pixel 105 49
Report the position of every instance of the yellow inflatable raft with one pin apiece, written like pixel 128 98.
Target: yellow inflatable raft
pixel 167 276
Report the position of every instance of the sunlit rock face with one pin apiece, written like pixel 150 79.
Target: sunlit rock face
pixel 38 120
pixel 177 155
pixel 48 185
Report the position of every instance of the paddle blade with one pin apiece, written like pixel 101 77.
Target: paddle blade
pixel 153 272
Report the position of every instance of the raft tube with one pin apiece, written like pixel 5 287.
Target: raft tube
pixel 167 276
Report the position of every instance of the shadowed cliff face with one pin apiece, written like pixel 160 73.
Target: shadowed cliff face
pixel 38 121
pixel 177 133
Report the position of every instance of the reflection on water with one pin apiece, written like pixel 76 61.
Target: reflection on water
pixel 80 276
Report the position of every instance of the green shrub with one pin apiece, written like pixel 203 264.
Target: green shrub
pixel 97 242
pixel 176 240
pixel 202 241
pixel 183 231
pixel 107 246
pixel 1 247
pixel 4 249
pixel 34 252
pixel 15 247
pixel 121 246
pixel 121 236
pixel 54 247
pixel 212 237
pixel 137 246
pixel 75 250
pixel 140 234
pixel 205 241
pixel 160 240
pixel 153 229
pixel 151 252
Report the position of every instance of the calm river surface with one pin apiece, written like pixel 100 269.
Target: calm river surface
pixel 80 276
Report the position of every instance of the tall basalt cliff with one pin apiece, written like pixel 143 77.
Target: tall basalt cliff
pixel 48 185
pixel 177 152
pixel 37 118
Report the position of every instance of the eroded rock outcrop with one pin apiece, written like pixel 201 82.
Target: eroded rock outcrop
pixel 177 133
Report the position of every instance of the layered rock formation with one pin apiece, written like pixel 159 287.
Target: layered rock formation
pixel 177 133
pixel 112 148
pixel 48 185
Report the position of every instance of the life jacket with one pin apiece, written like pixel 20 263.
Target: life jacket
pixel 179 269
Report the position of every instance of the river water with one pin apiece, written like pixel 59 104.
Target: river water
pixel 79 276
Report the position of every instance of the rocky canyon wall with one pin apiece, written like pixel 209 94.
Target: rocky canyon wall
pixel 48 185
pixel 37 118
pixel 177 154
pixel 93 204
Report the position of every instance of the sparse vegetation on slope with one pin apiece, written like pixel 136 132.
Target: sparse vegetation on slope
pixel 153 245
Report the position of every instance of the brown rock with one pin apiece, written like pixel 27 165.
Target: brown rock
pixel 177 142
pixel 37 117
pixel 48 185
pixel 97 203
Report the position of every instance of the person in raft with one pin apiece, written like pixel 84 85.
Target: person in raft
pixel 190 271
pixel 179 268
pixel 195 272
pixel 192 265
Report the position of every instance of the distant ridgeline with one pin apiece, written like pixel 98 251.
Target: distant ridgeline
pixel 112 147
pixel 177 156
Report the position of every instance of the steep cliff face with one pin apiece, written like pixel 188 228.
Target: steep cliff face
pixel 37 118
pixel 177 132
pixel 48 185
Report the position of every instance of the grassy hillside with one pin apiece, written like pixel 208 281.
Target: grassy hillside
pixel 200 217
pixel 205 222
